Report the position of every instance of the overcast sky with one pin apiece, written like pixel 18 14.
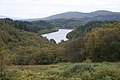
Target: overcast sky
pixel 43 8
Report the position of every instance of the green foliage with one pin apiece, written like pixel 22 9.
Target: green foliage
pixel 74 50
pixel 3 59
pixel 24 48
pixel 65 23
pixel 77 68
pixel 43 57
pixel 83 29
pixel 36 26
pixel 103 44
pixel 107 72
pixel 99 44
pixel 52 40
pixel 68 71
pixel 47 31
pixel 21 46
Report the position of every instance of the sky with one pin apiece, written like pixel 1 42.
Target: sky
pixel 24 9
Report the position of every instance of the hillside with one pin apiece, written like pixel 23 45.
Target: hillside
pixel 67 15
pixel 83 29
pixel 40 26
pixel 72 15
pixel 21 47
pixel 74 19
pixel 66 23
pixel 21 52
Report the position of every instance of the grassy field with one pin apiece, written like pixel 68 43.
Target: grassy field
pixel 67 71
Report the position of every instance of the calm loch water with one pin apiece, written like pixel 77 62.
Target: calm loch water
pixel 59 35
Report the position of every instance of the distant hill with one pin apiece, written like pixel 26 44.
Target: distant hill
pixel 101 12
pixel 33 19
pixel 76 15
pixel 70 15
pixel 67 15
pixel 75 19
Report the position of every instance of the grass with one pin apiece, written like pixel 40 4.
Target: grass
pixel 67 71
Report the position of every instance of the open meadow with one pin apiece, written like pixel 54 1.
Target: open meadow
pixel 67 71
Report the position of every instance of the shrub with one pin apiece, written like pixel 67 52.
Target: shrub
pixel 77 68
pixel 107 72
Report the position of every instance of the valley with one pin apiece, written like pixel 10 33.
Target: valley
pixel 61 47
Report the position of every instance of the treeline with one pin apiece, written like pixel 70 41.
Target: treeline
pixel 83 29
pixel 22 47
pixel 40 26
pixel 100 44
pixel 66 23
pixel 27 48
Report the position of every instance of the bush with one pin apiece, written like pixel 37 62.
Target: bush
pixel 86 75
pixel 77 68
pixel 106 72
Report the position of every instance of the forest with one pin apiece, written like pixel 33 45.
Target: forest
pixel 21 45
pixel 39 26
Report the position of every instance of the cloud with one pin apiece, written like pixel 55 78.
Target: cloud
pixel 44 8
